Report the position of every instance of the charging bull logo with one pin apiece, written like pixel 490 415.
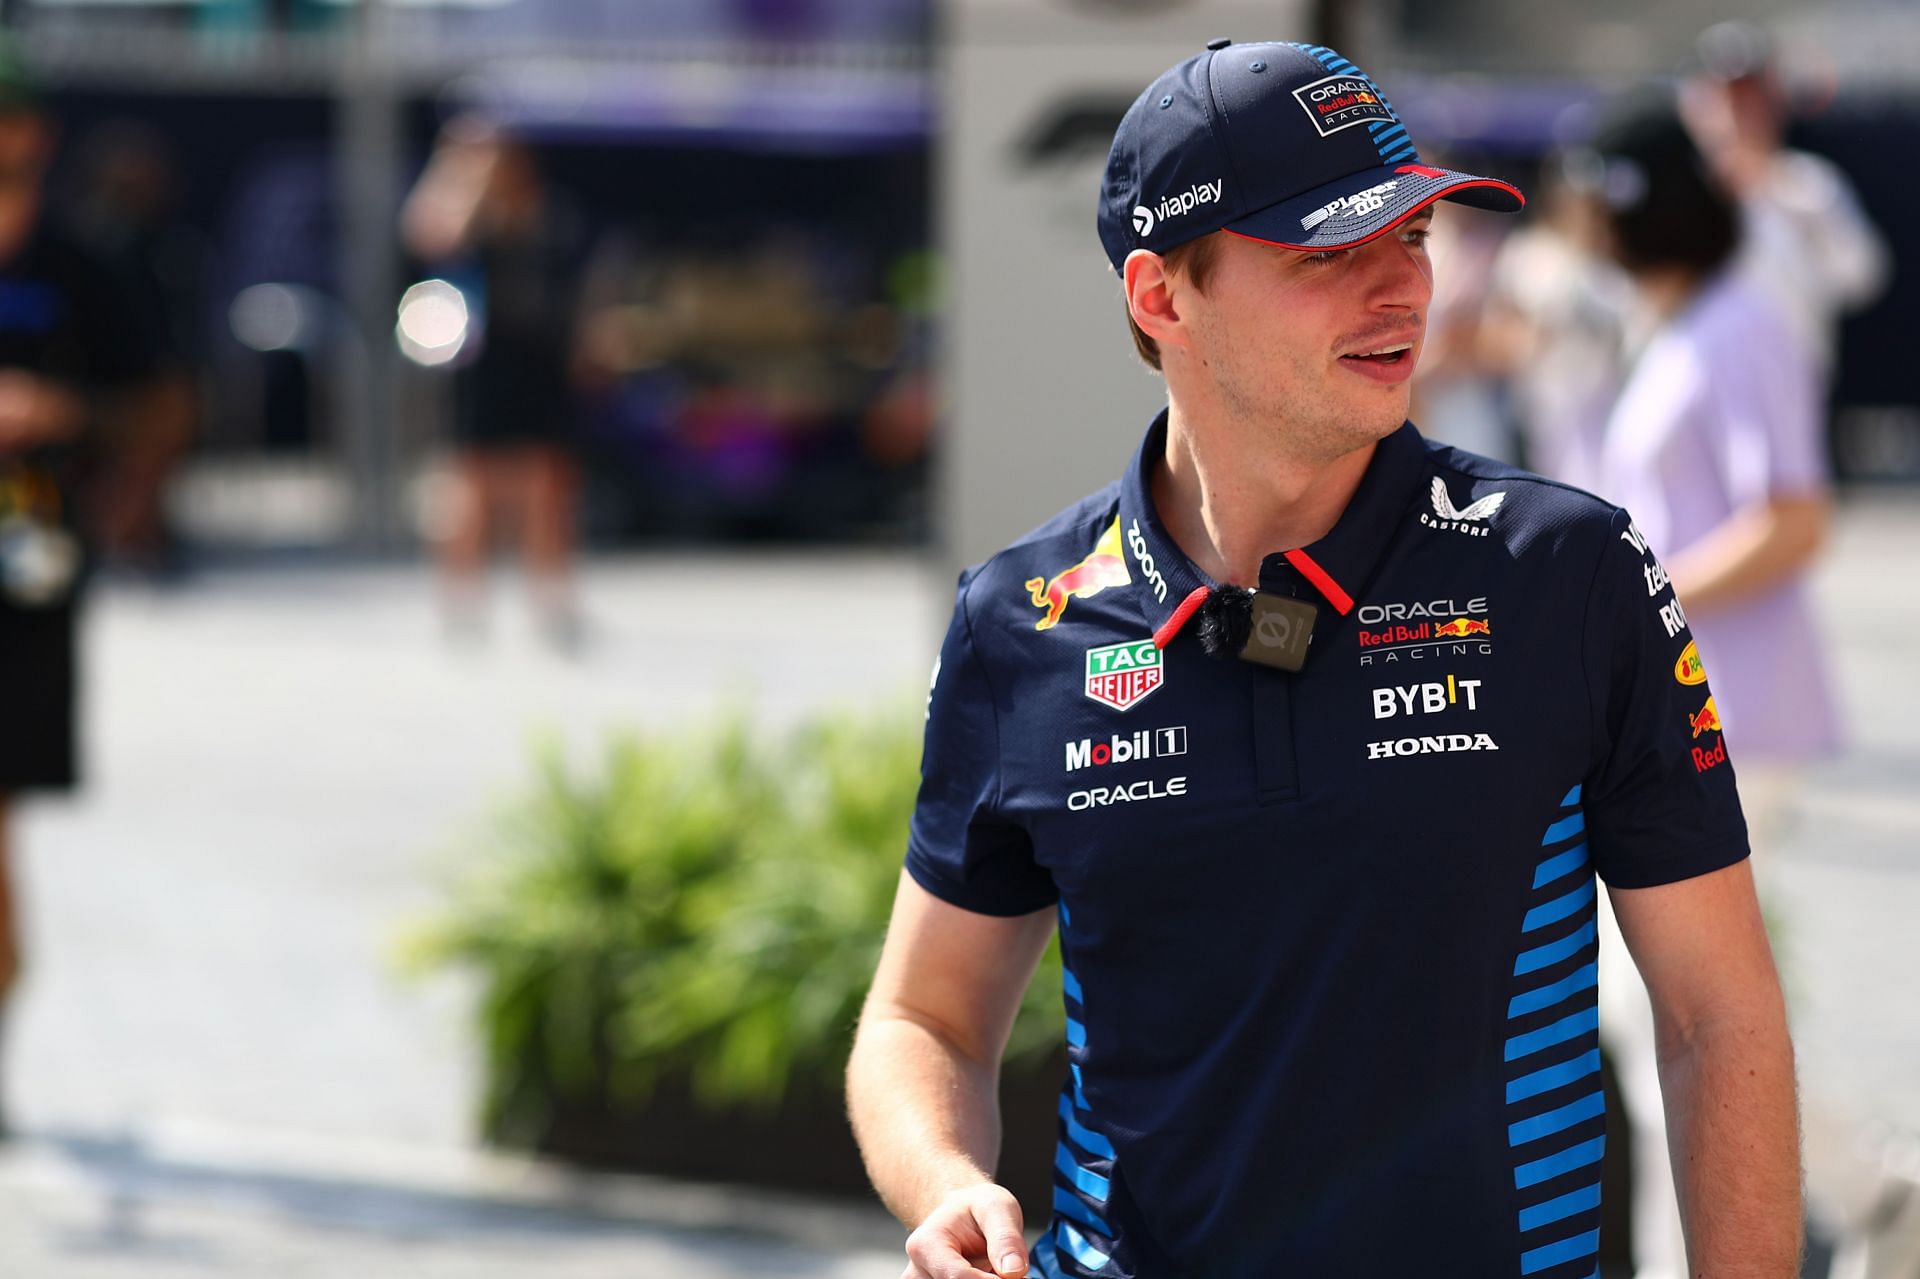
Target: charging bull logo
pixel 1101 569
pixel 1461 627
pixel 1707 721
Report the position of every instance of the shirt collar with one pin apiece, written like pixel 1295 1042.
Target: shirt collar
pixel 1164 578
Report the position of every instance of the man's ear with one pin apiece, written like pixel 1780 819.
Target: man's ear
pixel 1151 297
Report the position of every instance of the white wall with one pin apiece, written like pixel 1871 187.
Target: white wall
pixel 1045 398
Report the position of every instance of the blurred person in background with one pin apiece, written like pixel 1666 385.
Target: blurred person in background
pixel 1715 444
pixel 122 206
pixel 1805 242
pixel 76 379
pixel 1552 327
pixel 482 214
pixel 1458 397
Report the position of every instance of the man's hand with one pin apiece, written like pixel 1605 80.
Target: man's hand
pixel 973 1234
pixel 36 410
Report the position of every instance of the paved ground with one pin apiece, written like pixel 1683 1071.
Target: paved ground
pixel 285 770
pixel 216 1070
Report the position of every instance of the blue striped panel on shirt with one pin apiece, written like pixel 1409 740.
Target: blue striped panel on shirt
pixel 1591 1106
pixel 1572 1026
pixel 1573 797
pixel 1583 978
pixel 1555 1253
pixel 1560 1163
pixel 1090 1183
pixel 1068 1204
pixel 1554 951
pixel 1044 1262
pixel 1574 1201
pixel 1554 867
pixel 1071 984
pixel 1553 1077
pixel 1564 828
pixel 1077 1244
pixel 1076 1033
pixel 1085 1138
pixel 1079 1088
pixel 1558 909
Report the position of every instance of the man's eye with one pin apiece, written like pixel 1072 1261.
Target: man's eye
pixel 1418 237
pixel 1327 255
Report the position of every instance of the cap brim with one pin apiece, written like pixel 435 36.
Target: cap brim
pixel 1370 203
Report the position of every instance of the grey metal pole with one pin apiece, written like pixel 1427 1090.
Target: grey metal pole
pixel 368 133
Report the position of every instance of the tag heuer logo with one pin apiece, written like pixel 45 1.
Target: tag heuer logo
pixel 1120 675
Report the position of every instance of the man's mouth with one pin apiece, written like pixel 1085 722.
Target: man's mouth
pixel 1393 354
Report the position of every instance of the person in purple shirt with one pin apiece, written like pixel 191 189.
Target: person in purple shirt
pixel 1715 444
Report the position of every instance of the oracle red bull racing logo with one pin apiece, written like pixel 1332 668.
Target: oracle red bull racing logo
pixel 1426 632
pixel 1338 102
pixel 1120 675
pixel 1102 568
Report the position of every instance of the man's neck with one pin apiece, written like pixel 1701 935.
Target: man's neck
pixel 1229 497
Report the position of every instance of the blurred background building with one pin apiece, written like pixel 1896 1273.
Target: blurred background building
pixel 747 183
pixel 751 187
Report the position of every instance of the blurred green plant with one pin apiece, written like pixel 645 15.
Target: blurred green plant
pixel 706 906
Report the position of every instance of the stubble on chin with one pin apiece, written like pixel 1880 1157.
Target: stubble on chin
pixel 1267 396
pixel 1317 432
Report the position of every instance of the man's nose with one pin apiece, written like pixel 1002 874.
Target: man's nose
pixel 1399 276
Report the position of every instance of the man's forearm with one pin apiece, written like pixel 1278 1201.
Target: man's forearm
pixel 927 1116
pixel 1734 1134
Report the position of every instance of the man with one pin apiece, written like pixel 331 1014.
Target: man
pixel 1321 855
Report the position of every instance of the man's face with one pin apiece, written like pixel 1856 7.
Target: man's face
pixel 1322 345
pixel 25 144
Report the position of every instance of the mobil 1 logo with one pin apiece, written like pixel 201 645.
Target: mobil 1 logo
pixel 1125 748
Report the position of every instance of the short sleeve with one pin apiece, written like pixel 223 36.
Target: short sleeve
pixel 962 848
pixel 1771 404
pixel 1660 799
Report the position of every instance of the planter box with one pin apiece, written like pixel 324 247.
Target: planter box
pixel 805 1144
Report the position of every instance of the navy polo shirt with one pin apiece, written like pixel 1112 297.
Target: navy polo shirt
pixel 1328 935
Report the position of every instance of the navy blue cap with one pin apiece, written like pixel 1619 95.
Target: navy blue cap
pixel 1289 144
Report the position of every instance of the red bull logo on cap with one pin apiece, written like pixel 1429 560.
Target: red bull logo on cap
pixel 1102 568
pixel 1706 720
